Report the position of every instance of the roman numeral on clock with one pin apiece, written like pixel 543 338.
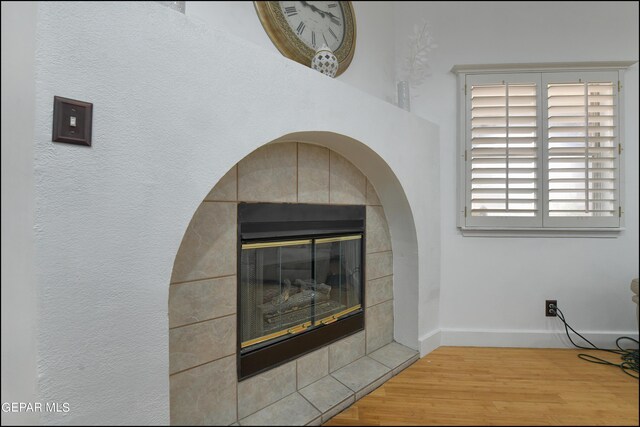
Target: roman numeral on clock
pixel 333 5
pixel 300 28
pixel 333 34
pixel 290 10
pixel 335 20
pixel 313 38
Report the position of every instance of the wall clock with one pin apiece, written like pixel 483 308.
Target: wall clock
pixel 299 28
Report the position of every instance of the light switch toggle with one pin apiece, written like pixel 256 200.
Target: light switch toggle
pixel 72 121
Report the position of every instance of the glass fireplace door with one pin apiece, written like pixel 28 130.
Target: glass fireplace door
pixel 337 270
pixel 287 287
pixel 273 302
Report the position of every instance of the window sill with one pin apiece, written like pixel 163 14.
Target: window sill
pixel 541 232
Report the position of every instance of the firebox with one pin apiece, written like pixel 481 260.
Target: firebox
pixel 300 280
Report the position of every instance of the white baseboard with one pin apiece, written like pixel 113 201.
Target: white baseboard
pixel 429 342
pixel 530 338
pixel 513 338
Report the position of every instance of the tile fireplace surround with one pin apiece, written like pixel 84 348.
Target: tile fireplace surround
pixel 202 302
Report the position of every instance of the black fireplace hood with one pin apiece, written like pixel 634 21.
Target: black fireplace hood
pixel 264 221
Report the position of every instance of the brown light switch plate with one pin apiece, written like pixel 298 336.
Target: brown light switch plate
pixel 72 121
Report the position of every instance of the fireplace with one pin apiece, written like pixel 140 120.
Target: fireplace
pixel 300 280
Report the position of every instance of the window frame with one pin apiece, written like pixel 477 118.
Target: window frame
pixel 567 228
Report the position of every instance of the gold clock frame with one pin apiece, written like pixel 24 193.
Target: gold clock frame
pixel 292 47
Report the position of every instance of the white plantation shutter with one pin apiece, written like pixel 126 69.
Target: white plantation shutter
pixel 503 150
pixel 581 153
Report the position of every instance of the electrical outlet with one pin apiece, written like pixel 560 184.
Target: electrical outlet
pixel 548 310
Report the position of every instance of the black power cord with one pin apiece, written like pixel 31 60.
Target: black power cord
pixel 630 361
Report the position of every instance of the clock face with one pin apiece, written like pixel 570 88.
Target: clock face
pixel 315 22
pixel 299 28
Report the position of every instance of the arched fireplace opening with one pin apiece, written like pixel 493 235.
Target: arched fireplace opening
pixel 283 282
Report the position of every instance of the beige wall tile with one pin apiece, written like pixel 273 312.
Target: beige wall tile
pixel 200 343
pixel 226 190
pixel 346 350
pixel 264 389
pixel 269 174
pixel 313 174
pixel 372 196
pixel 312 367
pixel 347 184
pixel 208 248
pixel 378 238
pixel 193 302
pixel 379 290
pixel 205 395
pixel 379 264
pixel 379 324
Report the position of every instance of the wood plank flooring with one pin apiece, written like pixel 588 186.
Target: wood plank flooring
pixel 500 386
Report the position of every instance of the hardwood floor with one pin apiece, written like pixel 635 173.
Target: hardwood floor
pixel 500 386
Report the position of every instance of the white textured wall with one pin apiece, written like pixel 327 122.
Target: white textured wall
pixel 493 289
pixel 371 69
pixel 170 118
pixel 19 377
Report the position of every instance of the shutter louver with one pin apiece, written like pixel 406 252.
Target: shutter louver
pixel 504 150
pixel 581 154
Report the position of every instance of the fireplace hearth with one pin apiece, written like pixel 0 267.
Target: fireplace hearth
pixel 300 280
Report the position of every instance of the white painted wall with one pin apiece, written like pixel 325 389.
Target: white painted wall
pixel 493 289
pixel 19 376
pixel 167 125
pixel 371 69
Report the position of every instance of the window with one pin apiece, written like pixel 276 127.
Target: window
pixel 540 149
